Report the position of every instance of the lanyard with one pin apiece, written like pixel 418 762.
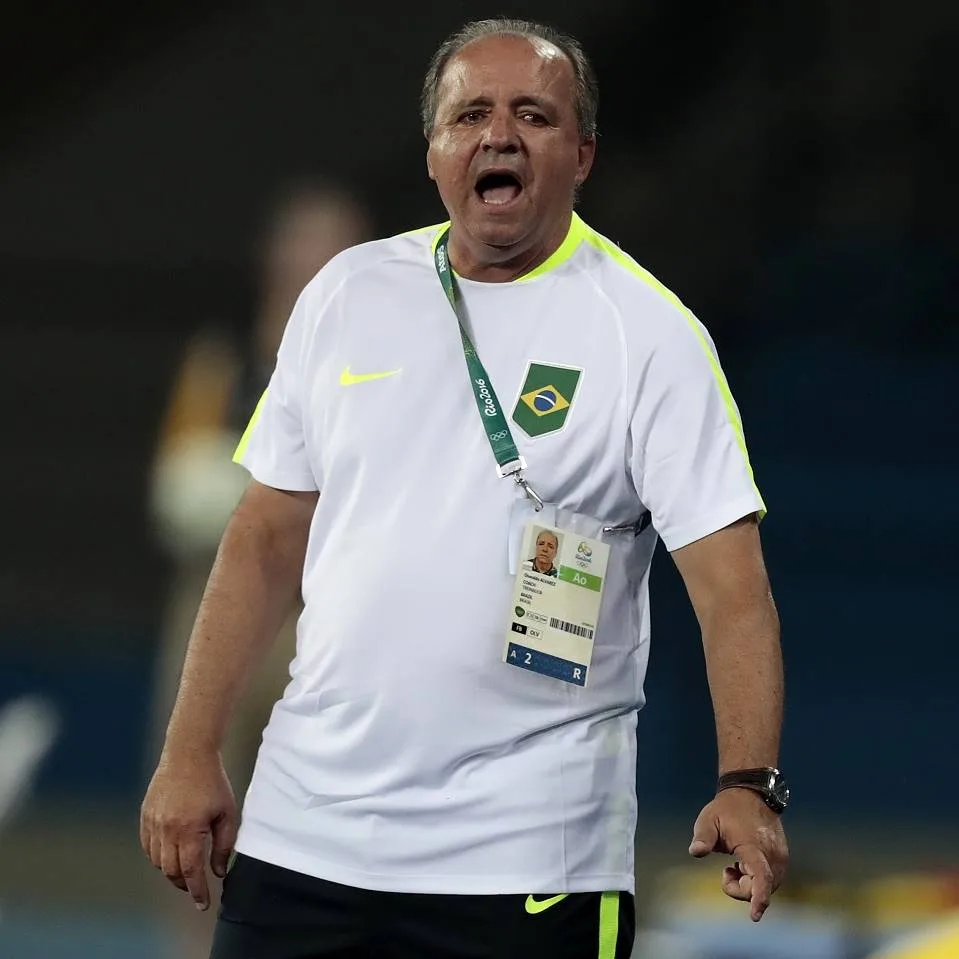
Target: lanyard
pixel 508 459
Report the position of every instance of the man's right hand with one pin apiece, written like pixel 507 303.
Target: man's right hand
pixel 189 803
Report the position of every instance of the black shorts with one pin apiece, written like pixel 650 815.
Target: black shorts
pixel 268 912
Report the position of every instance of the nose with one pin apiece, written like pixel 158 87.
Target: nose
pixel 500 135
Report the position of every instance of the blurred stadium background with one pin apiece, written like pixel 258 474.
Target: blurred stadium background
pixel 785 167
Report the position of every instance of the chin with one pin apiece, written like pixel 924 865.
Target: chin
pixel 501 226
pixel 498 231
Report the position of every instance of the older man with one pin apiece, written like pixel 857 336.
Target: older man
pixel 547 543
pixel 451 771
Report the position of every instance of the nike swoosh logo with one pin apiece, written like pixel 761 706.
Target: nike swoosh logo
pixel 349 379
pixel 534 906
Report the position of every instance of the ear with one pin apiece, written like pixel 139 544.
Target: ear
pixel 587 153
pixel 429 163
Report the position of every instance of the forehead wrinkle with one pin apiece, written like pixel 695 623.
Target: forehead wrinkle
pixel 548 57
pixel 546 83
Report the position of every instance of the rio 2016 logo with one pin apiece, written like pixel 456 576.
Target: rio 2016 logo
pixel 489 407
pixel 584 555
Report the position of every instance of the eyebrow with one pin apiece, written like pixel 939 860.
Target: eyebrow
pixel 523 100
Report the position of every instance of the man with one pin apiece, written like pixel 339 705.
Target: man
pixel 546 546
pixel 415 795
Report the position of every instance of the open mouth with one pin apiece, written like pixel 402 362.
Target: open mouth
pixel 498 189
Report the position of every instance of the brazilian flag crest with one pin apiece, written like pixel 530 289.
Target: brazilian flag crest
pixel 545 398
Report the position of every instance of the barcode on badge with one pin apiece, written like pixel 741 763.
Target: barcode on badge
pixel 584 632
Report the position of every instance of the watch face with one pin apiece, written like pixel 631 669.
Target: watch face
pixel 779 791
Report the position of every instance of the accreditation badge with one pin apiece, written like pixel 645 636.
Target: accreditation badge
pixel 556 599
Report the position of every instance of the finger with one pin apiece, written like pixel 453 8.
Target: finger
pixel 762 890
pixel 705 836
pixel 736 884
pixel 224 839
pixel 194 870
pixel 170 862
pixel 754 865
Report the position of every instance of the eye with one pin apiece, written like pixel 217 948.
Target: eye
pixel 470 117
pixel 534 118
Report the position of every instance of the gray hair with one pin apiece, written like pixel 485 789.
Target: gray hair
pixel 584 78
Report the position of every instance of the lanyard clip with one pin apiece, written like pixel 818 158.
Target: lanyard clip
pixel 515 469
pixel 529 491
pixel 512 468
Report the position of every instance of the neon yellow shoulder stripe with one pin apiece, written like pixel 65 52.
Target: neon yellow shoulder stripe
pixel 578 231
pixel 626 261
pixel 248 432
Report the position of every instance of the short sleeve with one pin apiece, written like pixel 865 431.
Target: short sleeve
pixel 688 454
pixel 273 447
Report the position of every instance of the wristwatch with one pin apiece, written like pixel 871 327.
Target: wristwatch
pixel 767 781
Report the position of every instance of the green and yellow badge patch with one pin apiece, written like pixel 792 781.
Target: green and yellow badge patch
pixel 545 398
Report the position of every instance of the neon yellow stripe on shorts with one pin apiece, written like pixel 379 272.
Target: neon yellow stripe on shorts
pixel 248 432
pixel 611 250
pixel 608 925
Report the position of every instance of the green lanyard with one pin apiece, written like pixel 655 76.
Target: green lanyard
pixel 508 459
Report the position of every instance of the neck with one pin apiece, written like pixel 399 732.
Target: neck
pixel 475 260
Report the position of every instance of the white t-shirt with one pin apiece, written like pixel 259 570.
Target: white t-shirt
pixel 404 754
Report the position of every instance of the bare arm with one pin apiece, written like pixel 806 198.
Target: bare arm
pixel 726 580
pixel 252 588
pixel 727 583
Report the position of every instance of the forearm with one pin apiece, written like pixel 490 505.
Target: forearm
pixel 744 667
pixel 252 588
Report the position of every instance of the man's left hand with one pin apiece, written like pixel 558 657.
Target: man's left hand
pixel 739 823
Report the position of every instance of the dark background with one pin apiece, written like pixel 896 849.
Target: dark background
pixel 786 168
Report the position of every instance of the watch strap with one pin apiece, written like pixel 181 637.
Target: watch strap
pixel 767 781
pixel 757 778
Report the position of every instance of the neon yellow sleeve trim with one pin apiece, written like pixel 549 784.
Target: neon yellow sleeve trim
pixel 248 432
pixel 608 925
pixel 613 251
